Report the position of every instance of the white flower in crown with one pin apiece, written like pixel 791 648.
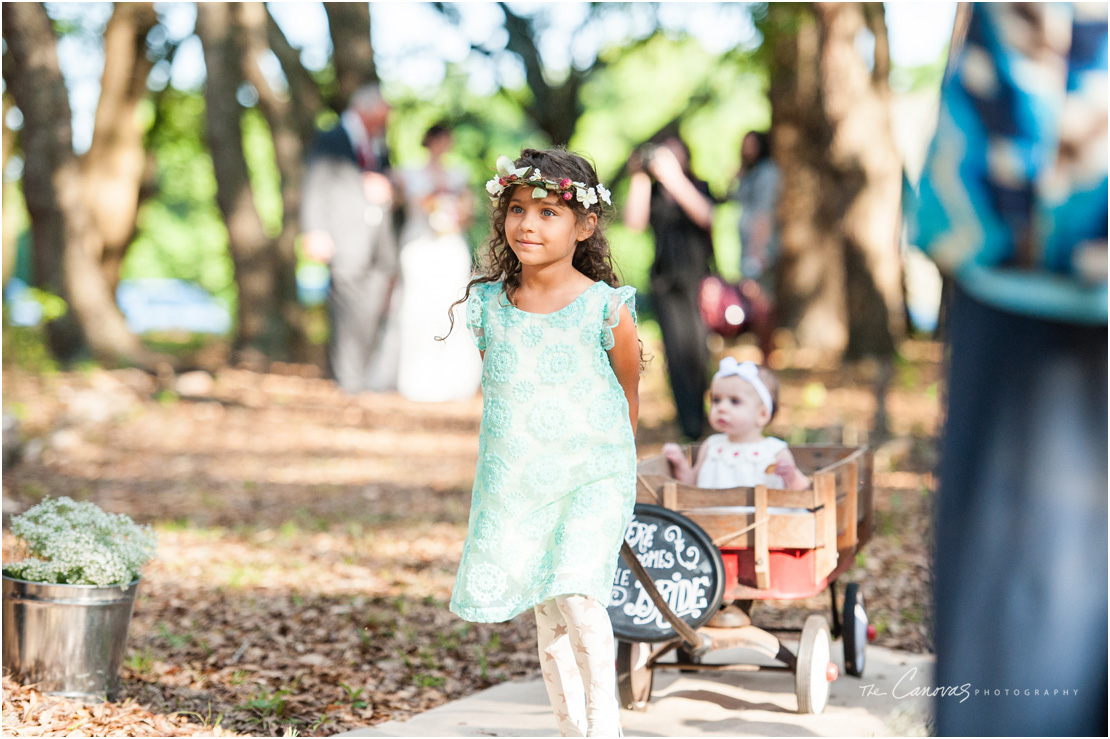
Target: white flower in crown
pixel 505 168
pixel 604 194
pixel 586 196
pixel 495 188
pixel 536 175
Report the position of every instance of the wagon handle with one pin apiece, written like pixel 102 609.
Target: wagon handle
pixel 694 641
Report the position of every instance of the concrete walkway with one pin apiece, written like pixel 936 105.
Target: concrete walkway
pixel 708 704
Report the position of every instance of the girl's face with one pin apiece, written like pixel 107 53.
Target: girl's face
pixel 735 408
pixel 544 232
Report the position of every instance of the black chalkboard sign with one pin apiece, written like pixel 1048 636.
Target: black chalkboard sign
pixel 685 567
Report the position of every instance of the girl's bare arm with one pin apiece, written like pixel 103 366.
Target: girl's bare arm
pixel 625 358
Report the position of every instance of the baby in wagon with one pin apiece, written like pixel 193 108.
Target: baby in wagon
pixel 742 403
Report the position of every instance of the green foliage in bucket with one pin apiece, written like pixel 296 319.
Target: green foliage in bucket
pixel 73 543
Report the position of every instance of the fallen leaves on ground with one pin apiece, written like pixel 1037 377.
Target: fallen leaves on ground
pixel 308 541
pixel 27 712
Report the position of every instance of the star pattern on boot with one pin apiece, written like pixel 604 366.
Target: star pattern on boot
pixel 585 628
pixel 600 686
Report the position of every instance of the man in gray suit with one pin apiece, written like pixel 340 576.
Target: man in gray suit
pixel 346 215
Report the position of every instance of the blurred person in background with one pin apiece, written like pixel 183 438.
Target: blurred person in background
pixel 435 267
pixel 1013 207
pixel 664 194
pixel 757 188
pixel 346 217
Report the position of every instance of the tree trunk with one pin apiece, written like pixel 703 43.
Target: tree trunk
pixel 114 166
pixel 260 332
pixel 289 152
pixel 62 230
pixel 841 272
pixel 857 102
pixel 811 291
pixel 352 53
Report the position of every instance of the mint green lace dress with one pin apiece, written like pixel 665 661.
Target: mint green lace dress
pixel 556 476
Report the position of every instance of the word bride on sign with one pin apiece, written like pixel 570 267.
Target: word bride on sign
pixel 685 594
pixel 686 597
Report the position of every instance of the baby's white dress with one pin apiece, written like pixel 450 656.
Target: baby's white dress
pixel 728 464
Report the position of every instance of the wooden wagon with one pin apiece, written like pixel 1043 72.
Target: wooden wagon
pixel 760 543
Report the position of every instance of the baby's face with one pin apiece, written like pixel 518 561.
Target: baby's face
pixel 735 408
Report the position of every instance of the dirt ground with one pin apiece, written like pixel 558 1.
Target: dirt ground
pixel 308 540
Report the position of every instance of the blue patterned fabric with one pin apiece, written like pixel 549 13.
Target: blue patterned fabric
pixel 1014 193
pixel 556 475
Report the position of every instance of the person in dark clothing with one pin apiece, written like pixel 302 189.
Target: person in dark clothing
pixel 664 194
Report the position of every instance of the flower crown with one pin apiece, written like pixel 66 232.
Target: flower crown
pixel 508 175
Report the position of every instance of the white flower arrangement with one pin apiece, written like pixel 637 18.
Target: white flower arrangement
pixel 509 175
pixel 73 543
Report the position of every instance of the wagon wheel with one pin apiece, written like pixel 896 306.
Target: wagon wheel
pixel 855 631
pixel 812 673
pixel 634 677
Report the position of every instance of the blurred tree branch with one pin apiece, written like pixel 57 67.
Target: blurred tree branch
pixel 554 107
pixel 352 55
pixel 148 187
pixel 113 167
pixel 304 92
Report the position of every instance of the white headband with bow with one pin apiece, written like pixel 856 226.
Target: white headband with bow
pixel 746 371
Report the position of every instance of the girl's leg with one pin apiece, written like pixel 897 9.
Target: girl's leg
pixel 591 635
pixel 560 670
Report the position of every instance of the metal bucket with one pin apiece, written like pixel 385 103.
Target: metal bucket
pixel 67 640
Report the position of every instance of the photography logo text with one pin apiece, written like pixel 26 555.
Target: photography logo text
pixel 905 688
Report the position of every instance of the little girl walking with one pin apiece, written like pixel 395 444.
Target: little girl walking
pixel 556 476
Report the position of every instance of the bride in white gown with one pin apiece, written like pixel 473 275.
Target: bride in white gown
pixel 435 267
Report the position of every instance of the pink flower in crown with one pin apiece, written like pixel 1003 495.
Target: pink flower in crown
pixel 566 195
pixel 565 183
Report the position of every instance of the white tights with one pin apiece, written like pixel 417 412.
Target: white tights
pixel 578 662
